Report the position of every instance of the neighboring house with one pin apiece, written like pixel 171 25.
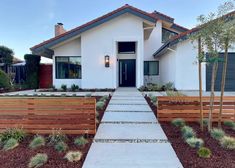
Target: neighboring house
pixel 119 50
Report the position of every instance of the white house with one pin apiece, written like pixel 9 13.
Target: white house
pixel 127 47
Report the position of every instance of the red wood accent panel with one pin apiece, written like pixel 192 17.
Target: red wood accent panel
pixel 188 108
pixel 73 115
pixel 45 76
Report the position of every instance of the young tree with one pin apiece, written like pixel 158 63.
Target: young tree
pixel 227 39
pixel 6 56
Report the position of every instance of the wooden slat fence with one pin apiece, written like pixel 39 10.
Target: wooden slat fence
pixel 188 108
pixel 73 115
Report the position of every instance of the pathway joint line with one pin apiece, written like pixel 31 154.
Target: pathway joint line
pixel 128 122
pixel 109 111
pixel 131 141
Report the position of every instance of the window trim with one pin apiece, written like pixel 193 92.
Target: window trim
pixel 56 57
pixel 157 74
pixel 131 52
pixel 168 31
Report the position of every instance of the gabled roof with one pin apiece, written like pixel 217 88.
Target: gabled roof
pixel 78 30
pixel 152 17
pixel 181 37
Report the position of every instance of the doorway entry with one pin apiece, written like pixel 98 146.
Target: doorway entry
pixel 127 72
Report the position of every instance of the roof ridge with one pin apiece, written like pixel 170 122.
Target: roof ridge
pixel 93 21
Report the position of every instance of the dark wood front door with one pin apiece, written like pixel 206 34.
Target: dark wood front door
pixel 127 73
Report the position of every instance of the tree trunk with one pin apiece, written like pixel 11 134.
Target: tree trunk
pixel 200 82
pixel 223 82
pixel 212 96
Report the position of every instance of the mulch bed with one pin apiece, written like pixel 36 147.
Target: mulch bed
pixel 20 156
pixel 221 158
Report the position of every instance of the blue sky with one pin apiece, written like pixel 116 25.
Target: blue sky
pixel 25 23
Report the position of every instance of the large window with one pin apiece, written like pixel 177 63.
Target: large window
pixel 151 68
pixel 167 34
pixel 68 67
pixel 126 47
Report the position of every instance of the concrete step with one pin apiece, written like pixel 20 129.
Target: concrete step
pixel 129 117
pixel 128 108
pixel 132 155
pixel 130 131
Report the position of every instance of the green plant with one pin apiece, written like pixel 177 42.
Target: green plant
pixel 100 105
pixel 61 146
pixel 153 87
pixel 64 87
pixel 229 123
pixel 204 152
pixel 174 93
pixel 88 95
pixel 217 133
pixel 38 160
pixel 204 121
pixel 73 156
pixel 37 142
pixel 80 141
pixel 195 142
pixel 10 144
pixel 16 133
pixel 178 122
pixel 57 136
pixel 74 87
pixel 188 132
pixel 169 86
pixel 104 98
pixel 32 70
pixel 228 142
pixel 4 80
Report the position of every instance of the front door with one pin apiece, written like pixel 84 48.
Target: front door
pixel 127 73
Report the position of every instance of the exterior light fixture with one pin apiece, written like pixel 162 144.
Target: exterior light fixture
pixel 106 61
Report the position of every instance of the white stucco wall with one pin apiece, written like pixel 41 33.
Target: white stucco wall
pixel 180 66
pixel 101 41
pixel 71 48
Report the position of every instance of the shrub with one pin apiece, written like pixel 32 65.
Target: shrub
pixel 188 132
pixel 153 98
pixel 88 95
pixel 205 121
pixel 38 160
pixel 154 87
pixel 178 122
pixel 217 133
pixel 64 87
pixel 61 146
pixel 174 93
pixel 74 87
pixel 57 136
pixel 10 144
pixel 204 152
pixel 73 156
pixel 100 105
pixel 104 98
pixel 229 123
pixel 169 86
pixel 4 80
pixel 15 133
pixel 32 70
pixel 80 141
pixel 37 142
pixel 228 142
pixel 195 142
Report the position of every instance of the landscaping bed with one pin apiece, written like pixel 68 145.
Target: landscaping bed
pixel 220 158
pixel 21 155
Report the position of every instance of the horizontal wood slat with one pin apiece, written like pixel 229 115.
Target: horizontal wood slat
pixel 73 115
pixel 188 108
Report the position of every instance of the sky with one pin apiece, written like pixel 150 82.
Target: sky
pixel 25 23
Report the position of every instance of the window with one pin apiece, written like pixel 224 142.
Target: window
pixel 68 67
pixel 167 34
pixel 151 68
pixel 126 47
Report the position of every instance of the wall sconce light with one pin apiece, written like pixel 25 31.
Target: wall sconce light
pixel 106 61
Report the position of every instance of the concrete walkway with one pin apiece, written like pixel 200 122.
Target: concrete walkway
pixel 129 136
